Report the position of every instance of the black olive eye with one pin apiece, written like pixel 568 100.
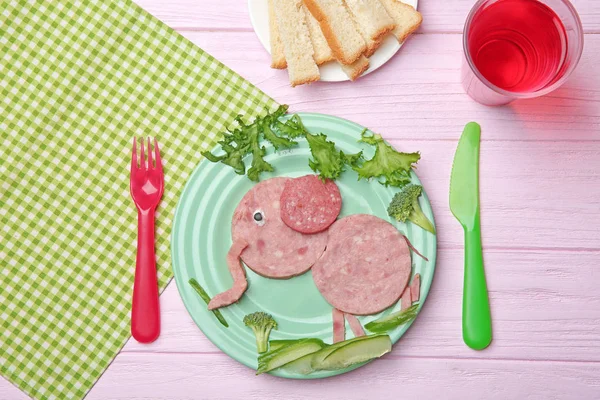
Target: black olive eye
pixel 258 217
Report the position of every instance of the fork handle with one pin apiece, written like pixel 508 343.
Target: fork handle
pixel 145 317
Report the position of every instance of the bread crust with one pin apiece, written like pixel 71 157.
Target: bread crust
pixel 373 46
pixel 384 22
pixel 304 81
pixel 278 64
pixel 318 40
pixel 323 60
pixel 277 56
pixel 383 31
pixel 297 45
pixel 412 29
pixel 336 47
pixel 357 69
pixel 393 8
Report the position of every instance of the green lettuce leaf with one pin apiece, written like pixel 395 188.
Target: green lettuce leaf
pixel 390 166
pixel 277 141
pixel 326 159
pixel 353 159
pixel 258 163
pixel 292 128
pixel 245 140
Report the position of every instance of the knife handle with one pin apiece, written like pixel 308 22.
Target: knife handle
pixel 476 318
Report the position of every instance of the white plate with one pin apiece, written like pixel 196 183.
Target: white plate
pixel 330 72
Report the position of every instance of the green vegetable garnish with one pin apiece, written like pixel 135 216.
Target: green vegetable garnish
pixel 204 296
pixel 286 354
pixel 277 344
pixel 353 159
pixel 277 141
pixel 326 159
pixel 394 167
pixel 356 353
pixel 391 167
pixel 393 320
pixel 405 205
pixel 258 164
pixel 292 128
pixel 245 140
pixel 341 354
pixel 261 324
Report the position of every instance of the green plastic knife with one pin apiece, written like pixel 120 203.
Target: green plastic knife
pixel 464 204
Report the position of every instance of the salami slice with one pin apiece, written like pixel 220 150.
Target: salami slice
pixel 309 205
pixel 274 250
pixel 365 267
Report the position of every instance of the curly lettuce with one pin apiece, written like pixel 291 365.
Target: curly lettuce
pixel 390 167
pixel 245 140
pixel 326 160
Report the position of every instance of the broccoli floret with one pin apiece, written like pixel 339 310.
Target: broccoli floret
pixel 405 205
pixel 261 323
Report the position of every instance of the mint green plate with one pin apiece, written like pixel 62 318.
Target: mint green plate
pixel 202 236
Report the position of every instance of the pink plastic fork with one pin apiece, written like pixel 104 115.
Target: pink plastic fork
pixel 146 185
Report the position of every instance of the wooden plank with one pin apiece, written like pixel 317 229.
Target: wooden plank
pixel 545 306
pixel 10 392
pixel 187 376
pixel 423 99
pixel 438 15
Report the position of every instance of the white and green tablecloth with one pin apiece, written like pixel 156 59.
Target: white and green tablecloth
pixel 78 80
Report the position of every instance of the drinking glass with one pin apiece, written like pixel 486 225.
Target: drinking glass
pixel 509 19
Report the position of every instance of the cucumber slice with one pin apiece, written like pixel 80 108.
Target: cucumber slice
pixel 357 352
pixel 275 359
pixel 277 344
pixel 393 320
pixel 305 365
pixel 302 365
pixel 319 356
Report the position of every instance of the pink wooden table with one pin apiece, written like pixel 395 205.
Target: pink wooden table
pixel 540 196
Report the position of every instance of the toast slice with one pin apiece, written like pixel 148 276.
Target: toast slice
pixel 357 68
pixel 322 50
pixel 372 45
pixel 297 46
pixel 277 56
pixel 346 43
pixel 406 17
pixel 372 17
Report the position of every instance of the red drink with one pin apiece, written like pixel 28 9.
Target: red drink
pixel 519 48
pixel 518 45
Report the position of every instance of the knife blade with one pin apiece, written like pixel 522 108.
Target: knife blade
pixel 464 204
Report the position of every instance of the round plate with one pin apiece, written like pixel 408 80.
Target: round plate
pixel 202 236
pixel 332 71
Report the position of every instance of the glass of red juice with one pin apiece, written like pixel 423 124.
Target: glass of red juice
pixel 517 49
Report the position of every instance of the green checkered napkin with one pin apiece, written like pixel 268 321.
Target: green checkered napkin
pixel 78 80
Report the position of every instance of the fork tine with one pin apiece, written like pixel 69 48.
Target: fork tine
pixel 150 166
pixel 157 155
pixel 142 159
pixel 134 155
